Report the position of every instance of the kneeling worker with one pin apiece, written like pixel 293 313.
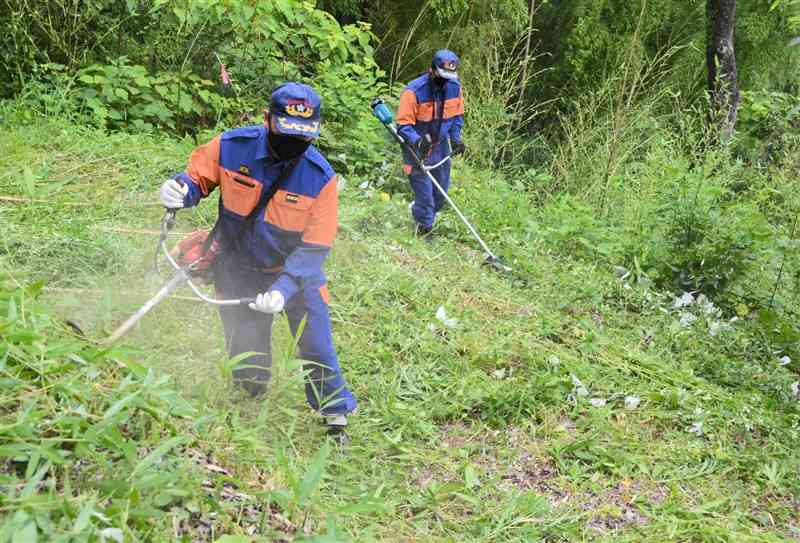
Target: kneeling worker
pixel 277 221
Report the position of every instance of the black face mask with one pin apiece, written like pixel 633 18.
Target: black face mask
pixel 439 81
pixel 287 147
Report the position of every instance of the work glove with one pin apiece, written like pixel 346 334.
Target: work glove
pixel 172 193
pixel 270 302
pixel 423 146
pixel 458 148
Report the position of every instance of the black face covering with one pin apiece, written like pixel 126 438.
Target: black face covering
pixel 287 147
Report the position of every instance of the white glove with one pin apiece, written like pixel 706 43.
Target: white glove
pixel 270 302
pixel 172 193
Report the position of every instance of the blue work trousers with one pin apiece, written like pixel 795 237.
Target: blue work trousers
pixel 428 201
pixel 250 331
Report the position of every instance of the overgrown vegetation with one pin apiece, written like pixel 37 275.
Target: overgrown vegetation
pixel 635 379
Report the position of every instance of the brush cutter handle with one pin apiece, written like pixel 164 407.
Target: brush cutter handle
pixel 167 222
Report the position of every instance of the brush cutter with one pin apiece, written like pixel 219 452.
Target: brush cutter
pixel 190 265
pixel 385 116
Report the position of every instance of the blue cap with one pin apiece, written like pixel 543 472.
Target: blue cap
pixel 445 63
pixel 295 107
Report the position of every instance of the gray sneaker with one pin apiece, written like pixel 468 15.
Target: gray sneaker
pixel 337 425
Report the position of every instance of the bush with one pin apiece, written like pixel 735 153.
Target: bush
pixel 125 96
pixel 155 65
pixel 768 127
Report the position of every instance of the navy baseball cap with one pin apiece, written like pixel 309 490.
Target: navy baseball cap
pixel 445 63
pixel 296 110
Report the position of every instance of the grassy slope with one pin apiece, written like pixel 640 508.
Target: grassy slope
pixel 471 433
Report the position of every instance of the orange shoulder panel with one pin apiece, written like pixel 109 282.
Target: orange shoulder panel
pixel 204 166
pixel 324 221
pixel 407 112
pixel 453 107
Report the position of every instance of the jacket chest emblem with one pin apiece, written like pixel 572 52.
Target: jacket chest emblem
pixel 292 198
pixel 244 170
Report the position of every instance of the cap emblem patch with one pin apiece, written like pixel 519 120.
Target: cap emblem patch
pixel 297 108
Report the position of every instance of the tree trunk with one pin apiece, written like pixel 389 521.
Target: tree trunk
pixel 723 87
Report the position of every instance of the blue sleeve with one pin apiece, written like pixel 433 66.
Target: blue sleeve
pixel 304 266
pixel 409 133
pixel 455 128
pixel 194 195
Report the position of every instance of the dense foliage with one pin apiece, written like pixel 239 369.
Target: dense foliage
pixel 158 64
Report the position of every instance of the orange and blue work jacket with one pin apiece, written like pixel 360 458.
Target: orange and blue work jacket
pixel 295 231
pixel 428 108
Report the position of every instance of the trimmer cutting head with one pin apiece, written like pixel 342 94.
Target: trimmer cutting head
pixel 494 263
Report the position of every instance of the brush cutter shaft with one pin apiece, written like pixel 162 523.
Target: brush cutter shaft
pixel 458 211
pixel 126 326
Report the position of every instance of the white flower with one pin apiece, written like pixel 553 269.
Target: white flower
pixel 597 402
pixel 795 389
pixel 112 533
pixel 580 389
pixel 632 402
pixel 685 300
pixel 364 185
pixel 706 305
pixel 696 429
pixel 687 319
pixel 553 360
pixel 441 316
pixel 784 360
pixel 715 327
pixel 341 183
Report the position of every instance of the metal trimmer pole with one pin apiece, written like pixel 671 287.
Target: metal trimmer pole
pixel 126 326
pixel 427 170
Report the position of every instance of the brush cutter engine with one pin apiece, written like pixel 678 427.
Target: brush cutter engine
pixel 190 253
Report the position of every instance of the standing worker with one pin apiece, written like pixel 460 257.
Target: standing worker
pixel 430 118
pixel 277 220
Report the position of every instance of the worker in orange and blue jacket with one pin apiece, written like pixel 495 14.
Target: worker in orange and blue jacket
pixel 430 118
pixel 276 256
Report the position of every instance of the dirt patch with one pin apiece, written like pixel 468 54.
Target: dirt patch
pixel 248 512
pixel 616 508
pixel 530 472
pixel 455 435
